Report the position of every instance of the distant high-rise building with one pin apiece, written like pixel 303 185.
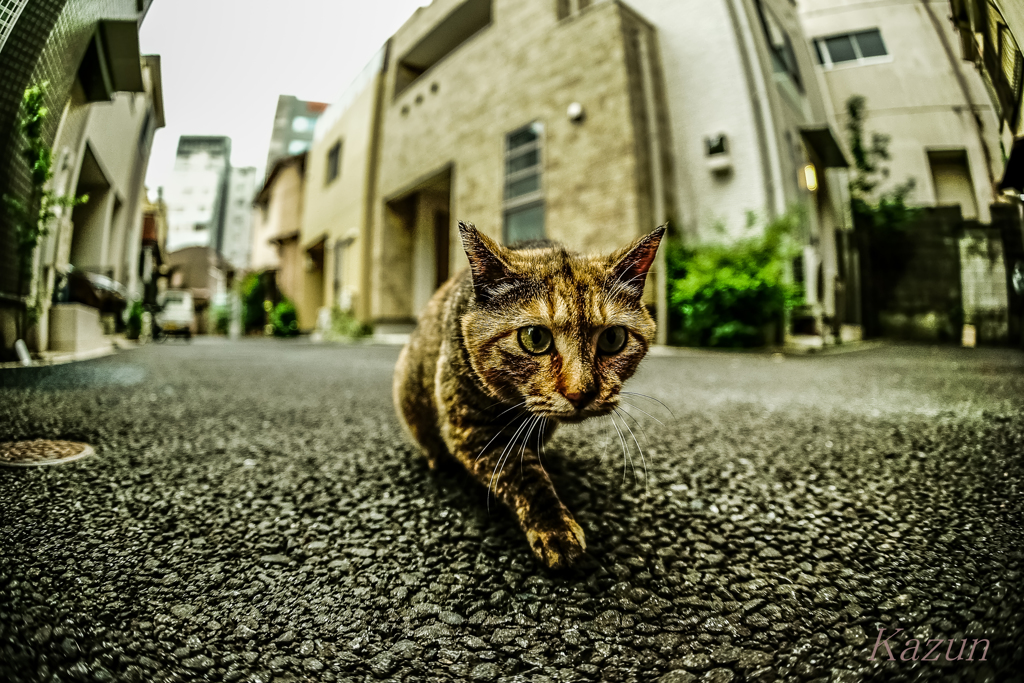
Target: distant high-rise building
pixel 197 191
pixel 238 219
pixel 293 127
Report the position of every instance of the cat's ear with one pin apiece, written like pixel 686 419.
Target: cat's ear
pixel 630 265
pixel 490 274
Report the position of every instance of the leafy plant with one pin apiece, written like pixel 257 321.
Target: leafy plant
pixel 33 214
pixel 284 319
pixel 344 325
pixel 221 315
pixel 134 320
pixel 253 294
pixel 889 212
pixel 729 294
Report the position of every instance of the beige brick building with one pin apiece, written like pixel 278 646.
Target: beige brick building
pixel 484 134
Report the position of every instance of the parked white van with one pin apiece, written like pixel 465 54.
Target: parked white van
pixel 177 313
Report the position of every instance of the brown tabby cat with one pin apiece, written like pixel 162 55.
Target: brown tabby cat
pixel 523 340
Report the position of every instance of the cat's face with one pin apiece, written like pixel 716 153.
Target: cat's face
pixel 555 330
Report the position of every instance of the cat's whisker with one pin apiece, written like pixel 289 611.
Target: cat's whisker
pixel 501 457
pixel 635 407
pixel 508 409
pixel 625 451
pixel 649 398
pixel 526 438
pixel 540 443
pixel 636 422
pixel 510 423
pixel 522 451
pixel 639 450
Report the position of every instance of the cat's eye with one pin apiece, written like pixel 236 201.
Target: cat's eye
pixel 612 340
pixel 535 340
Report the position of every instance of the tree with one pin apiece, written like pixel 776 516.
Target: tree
pixel 33 214
pixel 890 211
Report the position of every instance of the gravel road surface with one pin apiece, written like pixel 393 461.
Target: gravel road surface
pixel 252 513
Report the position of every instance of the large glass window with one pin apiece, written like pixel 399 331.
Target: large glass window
pixel 850 48
pixel 524 197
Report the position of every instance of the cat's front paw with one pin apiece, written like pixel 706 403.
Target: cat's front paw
pixel 557 545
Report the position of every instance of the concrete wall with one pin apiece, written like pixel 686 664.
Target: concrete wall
pixel 922 95
pixel 262 255
pixel 284 208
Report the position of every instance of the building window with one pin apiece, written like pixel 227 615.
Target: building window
pixel 199 227
pixel 780 45
pixel 334 161
pixel 863 47
pixel 565 8
pixel 303 124
pixel 951 176
pixel 524 197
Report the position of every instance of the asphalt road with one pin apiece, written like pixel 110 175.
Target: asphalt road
pixel 253 514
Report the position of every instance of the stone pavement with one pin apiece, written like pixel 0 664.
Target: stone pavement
pixel 252 513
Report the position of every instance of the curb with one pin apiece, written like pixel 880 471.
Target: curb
pixel 789 350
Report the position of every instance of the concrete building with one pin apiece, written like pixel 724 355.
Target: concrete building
pixel 948 128
pixel 196 193
pixel 153 258
pixel 573 121
pixel 991 34
pixel 339 197
pixel 237 241
pixel 294 123
pixel 903 58
pixel 88 53
pixel 279 207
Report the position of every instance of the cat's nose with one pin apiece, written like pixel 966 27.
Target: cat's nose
pixel 580 399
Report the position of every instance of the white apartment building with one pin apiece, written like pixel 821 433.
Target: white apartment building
pixel 905 58
pixel 237 242
pixel 196 192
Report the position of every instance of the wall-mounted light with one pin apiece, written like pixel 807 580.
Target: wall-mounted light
pixel 810 177
pixel 575 112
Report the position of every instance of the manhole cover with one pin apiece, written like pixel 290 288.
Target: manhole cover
pixel 41 452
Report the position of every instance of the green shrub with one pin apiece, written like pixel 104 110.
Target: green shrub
pixel 221 315
pixel 252 296
pixel 730 294
pixel 345 326
pixel 134 320
pixel 284 319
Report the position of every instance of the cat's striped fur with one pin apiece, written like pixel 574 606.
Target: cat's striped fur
pixel 466 385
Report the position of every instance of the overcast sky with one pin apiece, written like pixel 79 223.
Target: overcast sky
pixel 225 62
